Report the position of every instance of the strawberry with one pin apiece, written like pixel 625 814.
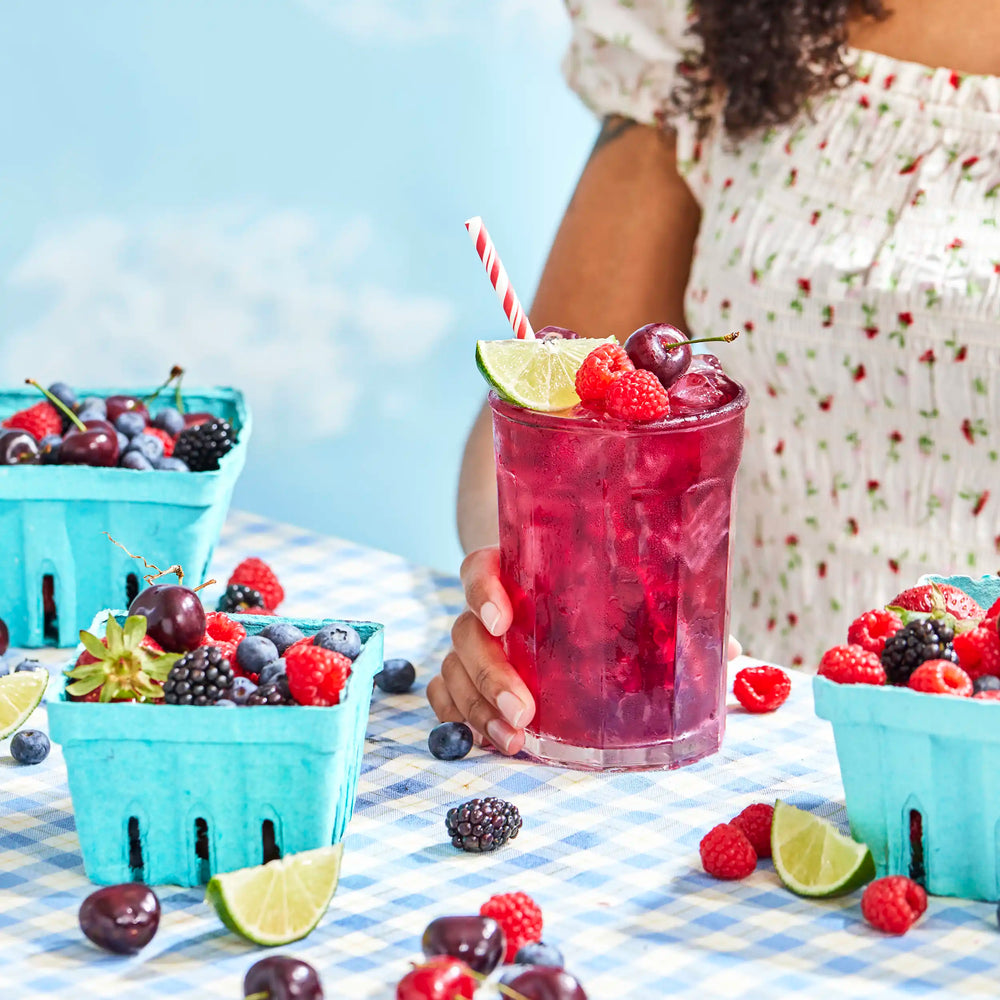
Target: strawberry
pixel 932 597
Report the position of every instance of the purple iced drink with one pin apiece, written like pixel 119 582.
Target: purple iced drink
pixel 614 542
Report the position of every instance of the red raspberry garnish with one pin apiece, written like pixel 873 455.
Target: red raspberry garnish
pixel 956 602
pixel 941 677
pixel 727 853
pixel 978 650
pixel 994 611
pixel 38 420
pixel 518 915
pixel 316 676
pixel 600 368
pixel 755 822
pixel 852 665
pixel 219 627
pixel 168 441
pixel 257 574
pixel 893 904
pixel 762 689
pixel 871 629
pixel 638 397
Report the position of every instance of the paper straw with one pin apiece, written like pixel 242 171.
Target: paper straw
pixel 516 316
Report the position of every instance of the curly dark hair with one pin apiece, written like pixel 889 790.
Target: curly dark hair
pixel 764 59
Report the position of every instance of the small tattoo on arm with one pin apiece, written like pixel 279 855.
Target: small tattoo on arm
pixel 613 127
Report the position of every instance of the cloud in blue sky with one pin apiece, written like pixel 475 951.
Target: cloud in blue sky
pixel 260 300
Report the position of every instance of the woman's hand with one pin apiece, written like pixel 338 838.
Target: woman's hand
pixel 476 684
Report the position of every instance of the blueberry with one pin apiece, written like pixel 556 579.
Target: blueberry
pixel 29 746
pixel 4 667
pixel 130 423
pixel 339 638
pixel 282 634
pixel 225 703
pixel 169 420
pixel 93 405
pixel 123 441
pixel 28 665
pixel 63 393
pixel 150 446
pixel 134 459
pixel 254 653
pixel 170 464
pixel 396 676
pixel 242 688
pixel 540 953
pixel 274 671
pixel 49 448
pixel 986 683
pixel 450 741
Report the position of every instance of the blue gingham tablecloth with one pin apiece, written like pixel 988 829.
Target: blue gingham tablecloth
pixel 611 859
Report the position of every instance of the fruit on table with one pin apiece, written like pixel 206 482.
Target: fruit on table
pixel 396 676
pixel 726 852
pixel 755 821
pixel 477 941
pixel 893 904
pixel 281 901
pixel 20 694
pixel 280 977
pixel 450 741
pixel 29 746
pixel 482 825
pixel 545 982
pixel 539 953
pixel 4 637
pixel 518 915
pixel 202 677
pixel 762 688
pixel 441 978
pixel 18 448
pixel 175 615
pixel 121 918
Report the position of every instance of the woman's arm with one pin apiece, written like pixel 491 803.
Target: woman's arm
pixel 620 259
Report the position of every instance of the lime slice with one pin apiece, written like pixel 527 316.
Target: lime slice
pixel 19 697
pixel 538 374
pixel 812 858
pixel 281 901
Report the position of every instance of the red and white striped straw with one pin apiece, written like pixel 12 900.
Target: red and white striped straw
pixel 516 316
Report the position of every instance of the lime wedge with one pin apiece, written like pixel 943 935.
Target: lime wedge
pixel 538 374
pixel 19 697
pixel 281 901
pixel 812 858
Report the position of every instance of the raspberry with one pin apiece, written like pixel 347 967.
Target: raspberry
pixel 761 689
pixel 221 628
pixel 948 598
pixel 941 677
pixel 518 915
pixel 994 611
pixel 600 368
pixel 979 650
pixel 257 574
pixel 316 676
pixel 755 822
pixel 167 439
pixel 852 665
pixel 987 696
pixel 637 397
pixel 306 640
pixel 871 629
pixel 893 904
pixel 38 420
pixel 727 853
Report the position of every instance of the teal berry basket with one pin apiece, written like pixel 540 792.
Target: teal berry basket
pixel 58 565
pixel 919 774
pixel 171 795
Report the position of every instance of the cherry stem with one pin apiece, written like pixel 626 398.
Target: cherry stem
pixel 177 570
pixel 258 996
pixel 58 404
pixel 175 373
pixel 727 339
pixel 207 583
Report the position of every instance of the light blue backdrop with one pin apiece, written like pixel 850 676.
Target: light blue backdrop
pixel 271 193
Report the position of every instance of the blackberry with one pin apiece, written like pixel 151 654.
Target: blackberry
pixel 201 447
pixel 238 597
pixel 921 640
pixel 482 825
pixel 200 677
pixel 276 693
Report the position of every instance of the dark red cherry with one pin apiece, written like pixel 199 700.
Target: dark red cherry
pixel 4 637
pixel 121 918
pixel 175 616
pixel 18 448
pixel 279 977
pixel 556 331
pixel 477 941
pixel 194 419
pixel 117 405
pixel 546 982
pixel 97 444
pixel 661 349
pixel 438 979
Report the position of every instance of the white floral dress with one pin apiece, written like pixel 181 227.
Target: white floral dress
pixel 858 249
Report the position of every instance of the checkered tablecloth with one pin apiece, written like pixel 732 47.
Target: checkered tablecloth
pixel 612 859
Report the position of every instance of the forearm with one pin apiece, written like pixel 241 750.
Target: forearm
pixel 620 259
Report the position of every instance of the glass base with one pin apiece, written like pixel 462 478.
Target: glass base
pixel 670 754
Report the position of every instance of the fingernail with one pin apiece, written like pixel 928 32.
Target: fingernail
pixel 489 615
pixel 500 733
pixel 513 709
